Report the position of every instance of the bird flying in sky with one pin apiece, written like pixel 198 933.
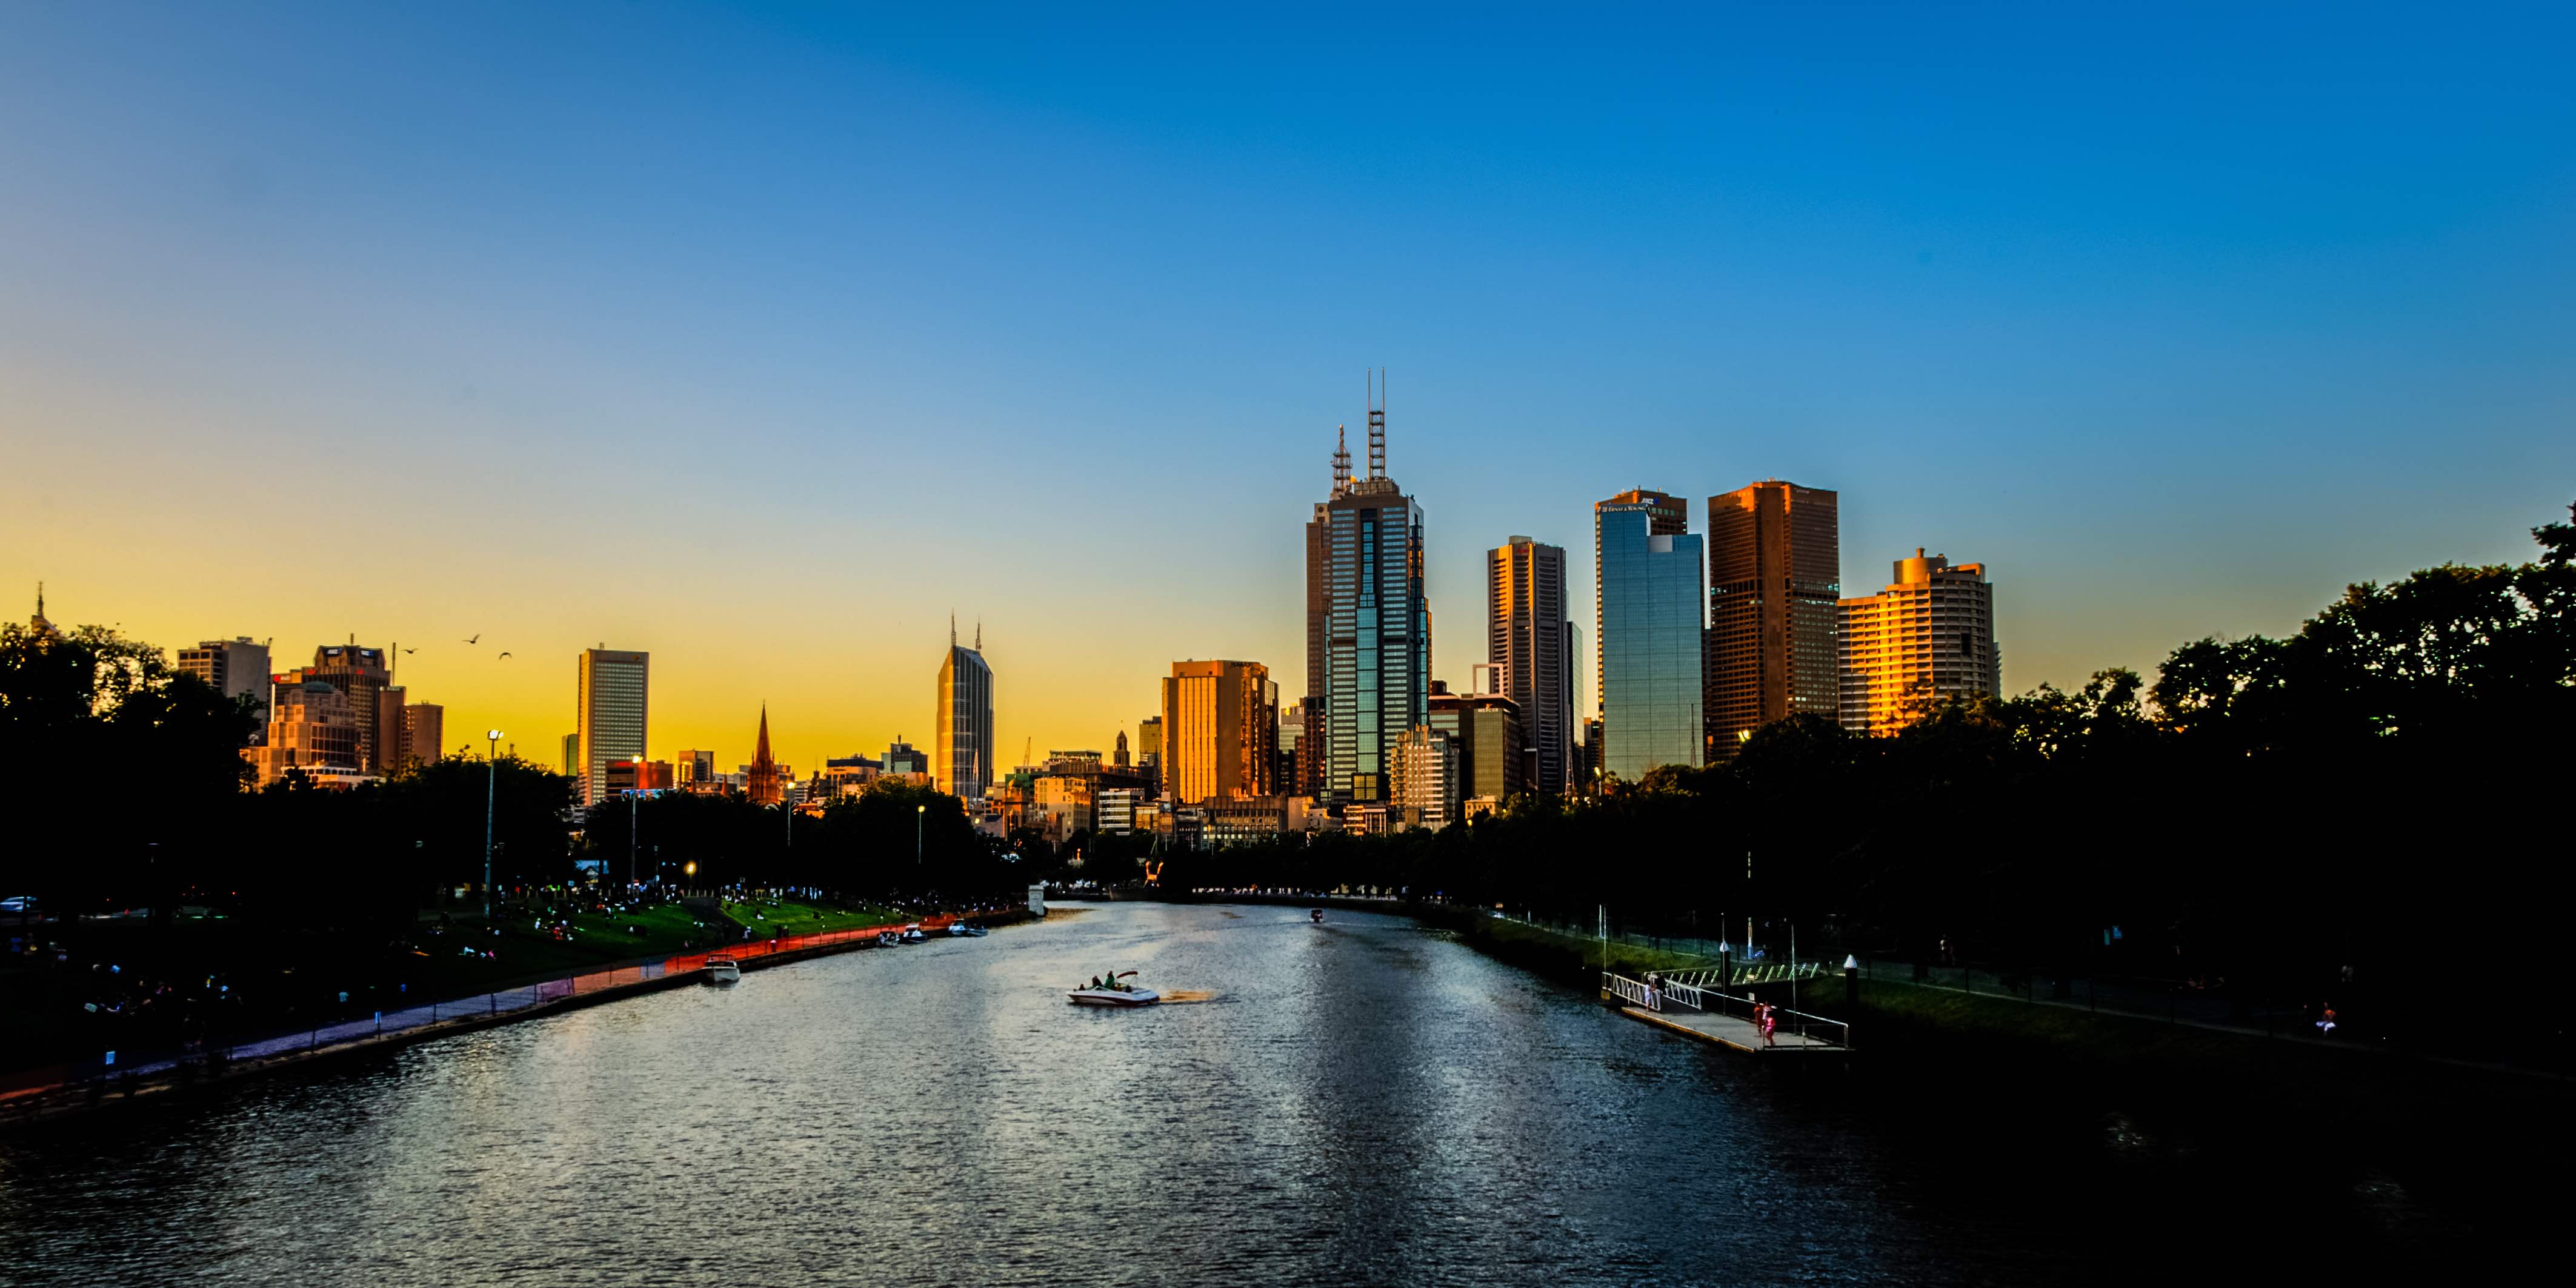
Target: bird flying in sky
pixel 473 637
pixel 505 652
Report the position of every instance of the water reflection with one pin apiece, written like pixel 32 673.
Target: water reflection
pixel 1359 1102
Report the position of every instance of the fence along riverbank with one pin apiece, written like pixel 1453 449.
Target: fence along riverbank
pixel 46 1093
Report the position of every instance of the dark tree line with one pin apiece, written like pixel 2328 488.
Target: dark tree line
pixel 132 793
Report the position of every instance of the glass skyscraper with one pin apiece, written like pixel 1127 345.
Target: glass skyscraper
pixel 1648 634
pixel 1368 628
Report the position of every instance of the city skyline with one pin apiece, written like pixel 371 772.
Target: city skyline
pixel 1988 328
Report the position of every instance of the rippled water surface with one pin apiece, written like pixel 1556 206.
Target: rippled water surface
pixel 1361 1102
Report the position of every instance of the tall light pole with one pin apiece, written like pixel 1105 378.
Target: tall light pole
pixel 491 792
pixel 918 812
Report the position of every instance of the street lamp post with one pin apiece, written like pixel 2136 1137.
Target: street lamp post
pixel 918 811
pixel 491 792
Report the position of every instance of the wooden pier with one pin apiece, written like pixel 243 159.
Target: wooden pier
pixel 1708 1014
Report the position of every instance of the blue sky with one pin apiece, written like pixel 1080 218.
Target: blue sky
pixel 762 337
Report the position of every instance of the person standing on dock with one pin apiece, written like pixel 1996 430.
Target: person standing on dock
pixel 1770 1024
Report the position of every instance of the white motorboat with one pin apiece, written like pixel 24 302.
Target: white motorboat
pixel 976 932
pixel 956 929
pixel 912 934
pixel 888 938
pixel 721 969
pixel 1115 994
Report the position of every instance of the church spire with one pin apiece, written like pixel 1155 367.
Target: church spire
pixel 764 770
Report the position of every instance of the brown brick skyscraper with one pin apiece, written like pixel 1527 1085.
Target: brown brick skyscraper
pixel 1774 576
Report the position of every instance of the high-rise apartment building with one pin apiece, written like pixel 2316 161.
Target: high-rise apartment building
pixel 1774 583
pixel 765 788
pixel 1525 638
pixel 1927 637
pixel 424 732
pixel 1426 779
pixel 1648 635
pixel 1220 731
pixel 235 668
pixel 609 709
pixel 1368 625
pixel 962 741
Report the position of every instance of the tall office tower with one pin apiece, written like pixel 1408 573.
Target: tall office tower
pixel 572 768
pixel 1492 744
pixel 693 767
pixel 424 732
pixel 1149 751
pixel 312 726
pixel 609 709
pixel 393 729
pixel 903 758
pixel 1426 779
pixel 1368 620
pixel 1290 775
pixel 1525 638
pixel 962 742
pixel 1929 636
pixel 1774 580
pixel 1648 637
pixel 764 770
pixel 1591 756
pixel 1220 731
pixel 236 668
pixel 360 673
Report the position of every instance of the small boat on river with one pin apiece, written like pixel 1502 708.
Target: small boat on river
pixel 721 969
pixel 971 932
pixel 956 929
pixel 888 939
pixel 1113 993
pixel 912 934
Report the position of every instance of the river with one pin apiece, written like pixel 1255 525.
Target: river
pixel 1365 1101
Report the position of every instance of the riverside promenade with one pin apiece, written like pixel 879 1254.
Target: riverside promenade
pixel 389 1029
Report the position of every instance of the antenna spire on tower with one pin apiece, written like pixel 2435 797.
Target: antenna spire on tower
pixel 1377 425
pixel 1341 460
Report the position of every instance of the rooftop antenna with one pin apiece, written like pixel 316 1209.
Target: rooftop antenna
pixel 1341 460
pixel 979 635
pixel 1377 425
pixel 952 628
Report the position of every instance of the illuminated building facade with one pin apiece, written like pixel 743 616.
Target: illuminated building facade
pixel 1928 636
pixel 1775 582
pixel 1220 731
pixel 1527 642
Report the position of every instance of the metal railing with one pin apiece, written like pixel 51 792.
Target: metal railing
pixel 1672 990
